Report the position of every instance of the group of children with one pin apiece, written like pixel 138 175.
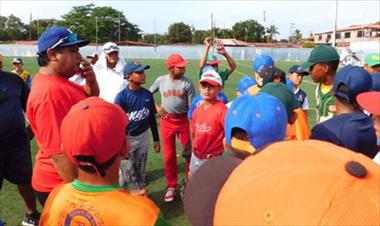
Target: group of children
pixel 268 109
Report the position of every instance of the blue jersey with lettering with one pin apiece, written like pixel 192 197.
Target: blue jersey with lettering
pixel 139 106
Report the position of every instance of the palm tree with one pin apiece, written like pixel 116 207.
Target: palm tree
pixel 271 31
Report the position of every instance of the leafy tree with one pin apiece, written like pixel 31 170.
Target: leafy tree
pixel 82 19
pixel 224 33
pixel 296 36
pixel 179 32
pixel 149 38
pixel 15 29
pixel 39 26
pixel 249 31
pixel 199 36
pixel 271 32
pixel 3 33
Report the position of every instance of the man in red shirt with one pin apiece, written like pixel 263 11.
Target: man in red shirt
pixel 50 99
pixel 207 125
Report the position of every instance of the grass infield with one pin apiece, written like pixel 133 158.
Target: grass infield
pixel 12 206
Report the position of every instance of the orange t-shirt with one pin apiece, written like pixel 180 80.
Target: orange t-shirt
pixel 80 204
pixel 50 99
pixel 300 129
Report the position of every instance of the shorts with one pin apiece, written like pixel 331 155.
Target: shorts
pixel 16 167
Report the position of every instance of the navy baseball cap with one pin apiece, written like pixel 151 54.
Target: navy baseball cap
pixel 376 81
pixel 297 69
pixel 355 78
pixel 134 67
pixel 262 62
pixel 268 75
pixel 263 117
pixel 59 36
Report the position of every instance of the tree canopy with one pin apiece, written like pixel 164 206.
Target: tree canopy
pixel 104 24
pixel 179 32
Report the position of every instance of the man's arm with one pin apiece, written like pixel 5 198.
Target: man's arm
pixel 66 170
pixel 91 87
pixel 203 60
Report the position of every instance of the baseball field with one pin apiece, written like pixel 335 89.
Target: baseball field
pixel 12 207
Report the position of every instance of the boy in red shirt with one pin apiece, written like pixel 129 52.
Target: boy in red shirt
pixel 207 125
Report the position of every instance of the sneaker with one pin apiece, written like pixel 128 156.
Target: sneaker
pixel 170 194
pixel 31 219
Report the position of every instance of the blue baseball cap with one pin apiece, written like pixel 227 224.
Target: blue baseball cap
pixel 355 78
pixel 59 36
pixel 262 62
pixel 207 68
pixel 297 69
pixel 375 81
pixel 263 117
pixel 244 83
pixel 289 84
pixel 134 67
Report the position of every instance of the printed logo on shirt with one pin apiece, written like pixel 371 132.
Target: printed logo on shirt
pixel 202 127
pixel 138 115
pixel 173 92
pixel 80 214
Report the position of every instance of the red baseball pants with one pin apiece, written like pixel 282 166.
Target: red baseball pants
pixel 172 126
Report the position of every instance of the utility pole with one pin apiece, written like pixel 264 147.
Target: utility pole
pixel 30 26
pixel 96 32
pixel 119 28
pixel 335 24
pixel 155 36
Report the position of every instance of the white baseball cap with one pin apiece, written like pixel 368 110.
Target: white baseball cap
pixel 110 47
pixel 211 77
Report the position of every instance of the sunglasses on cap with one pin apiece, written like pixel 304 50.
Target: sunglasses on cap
pixel 72 37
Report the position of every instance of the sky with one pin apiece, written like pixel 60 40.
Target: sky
pixel 156 16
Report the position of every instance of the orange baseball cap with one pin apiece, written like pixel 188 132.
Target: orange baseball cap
pixel 93 127
pixel 292 183
pixel 176 60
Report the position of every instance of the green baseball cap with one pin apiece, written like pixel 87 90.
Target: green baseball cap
pixel 282 92
pixel 322 53
pixel 212 59
pixel 372 59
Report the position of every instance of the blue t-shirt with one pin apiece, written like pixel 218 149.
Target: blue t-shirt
pixel 13 97
pixel 139 106
pixel 354 131
pixel 197 100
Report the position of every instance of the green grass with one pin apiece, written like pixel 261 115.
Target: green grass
pixel 12 207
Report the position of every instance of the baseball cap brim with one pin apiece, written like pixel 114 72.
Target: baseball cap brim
pixel 211 82
pixel 79 43
pixel 201 193
pixel 214 62
pixel 370 101
pixel 306 66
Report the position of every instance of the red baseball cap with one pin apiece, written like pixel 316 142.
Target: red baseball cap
pixel 370 101
pixel 176 60
pixel 93 127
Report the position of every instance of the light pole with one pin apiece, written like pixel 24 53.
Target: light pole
pixel 96 32
pixel 335 22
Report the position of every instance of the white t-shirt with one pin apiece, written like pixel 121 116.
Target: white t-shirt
pixel 110 84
